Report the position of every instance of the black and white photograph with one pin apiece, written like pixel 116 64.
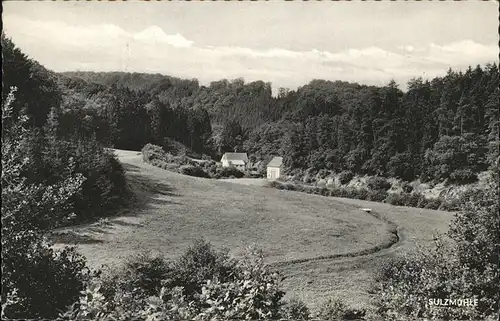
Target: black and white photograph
pixel 250 160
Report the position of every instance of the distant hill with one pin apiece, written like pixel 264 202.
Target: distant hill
pixel 133 81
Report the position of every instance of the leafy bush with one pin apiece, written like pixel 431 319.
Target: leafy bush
pixel 144 275
pixel 362 194
pixel 414 200
pixel 336 309
pixel 406 285
pixel 203 284
pixel 475 231
pixel 224 172
pixel 403 199
pixel 462 176
pixel 377 195
pixel 37 281
pixel 105 188
pixel 156 156
pixel 247 290
pixel 254 295
pixel 276 184
pixel 152 152
pixel 307 179
pixel 194 171
pixel 406 199
pixel 201 262
pixel 161 164
pixel 395 199
pixel 464 267
pixel 209 164
pixel 432 203
pixel 174 147
pixel 41 282
pixel 406 187
pixel 456 202
pixel 180 160
pixel 53 158
pixel 378 184
pixel 212 170
pixel 295 310
pixel 289 186
pixel 141 275
pixel 322 174
pixel 345 177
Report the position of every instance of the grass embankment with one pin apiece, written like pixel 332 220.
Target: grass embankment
pixel 176 209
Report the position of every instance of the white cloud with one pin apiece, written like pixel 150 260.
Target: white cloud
pixel 155 34
pixel 108 47
pixel 462 52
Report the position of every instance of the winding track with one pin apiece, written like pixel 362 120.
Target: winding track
pixel 391 243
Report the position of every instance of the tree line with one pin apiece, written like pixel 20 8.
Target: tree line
pixel 444 128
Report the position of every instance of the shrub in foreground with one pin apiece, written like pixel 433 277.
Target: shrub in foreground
pixel 201 262
pixel 37 281
pixel 466 266
pixel 336 309
pixel 406 285
pixel 141 274
pixel 203 284
pixel 41 282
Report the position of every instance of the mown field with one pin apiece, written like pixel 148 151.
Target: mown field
pixel 316 242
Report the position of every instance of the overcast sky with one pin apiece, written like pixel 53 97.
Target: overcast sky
pixel 288 44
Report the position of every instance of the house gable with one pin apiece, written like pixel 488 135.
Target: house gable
pixel 276 162
pixel 231 157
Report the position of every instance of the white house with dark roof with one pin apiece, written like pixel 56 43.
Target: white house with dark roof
pixel 238 160
pixel 275 168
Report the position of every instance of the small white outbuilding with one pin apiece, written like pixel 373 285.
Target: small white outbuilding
pixel 275 168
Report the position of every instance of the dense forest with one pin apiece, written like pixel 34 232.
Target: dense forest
pixel 444 128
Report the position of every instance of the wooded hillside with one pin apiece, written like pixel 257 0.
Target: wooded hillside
pixel 442 128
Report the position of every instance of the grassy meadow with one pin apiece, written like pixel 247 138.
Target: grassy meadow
pixel 316 242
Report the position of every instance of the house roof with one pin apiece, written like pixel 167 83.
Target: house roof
pixel 235 157
pixel 275 162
